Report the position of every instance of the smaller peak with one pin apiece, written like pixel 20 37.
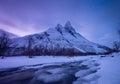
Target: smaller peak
pixel 59 26
pixel 68 24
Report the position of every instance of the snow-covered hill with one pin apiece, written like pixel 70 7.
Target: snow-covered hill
pixel 10 35
pixel 61 40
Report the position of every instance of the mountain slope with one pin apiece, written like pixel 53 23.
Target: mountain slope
pixel 10 35
pixel 57 41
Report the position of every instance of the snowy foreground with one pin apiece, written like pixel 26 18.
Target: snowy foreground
pixel 61 70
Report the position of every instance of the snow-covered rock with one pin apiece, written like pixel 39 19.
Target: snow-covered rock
pixel 83 73
pixel 89 79
pixel 47 77
pixel 90 63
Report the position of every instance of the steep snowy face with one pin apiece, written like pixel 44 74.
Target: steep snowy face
pixel 10 35
pixel 69 28
pixel 61 40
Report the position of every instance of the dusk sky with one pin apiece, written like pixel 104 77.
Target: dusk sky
pixel 97 20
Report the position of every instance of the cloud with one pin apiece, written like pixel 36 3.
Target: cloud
pixel 6 22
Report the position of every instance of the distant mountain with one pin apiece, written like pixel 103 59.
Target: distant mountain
pixel 57 41
pixel 10 35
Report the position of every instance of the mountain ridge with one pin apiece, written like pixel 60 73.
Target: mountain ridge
pixel 61 40
pixel 9 34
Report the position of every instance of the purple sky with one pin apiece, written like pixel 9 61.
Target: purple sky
pixel 95 19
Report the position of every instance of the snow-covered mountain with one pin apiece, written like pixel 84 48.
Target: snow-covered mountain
pixel 61 40
pixel 10 35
